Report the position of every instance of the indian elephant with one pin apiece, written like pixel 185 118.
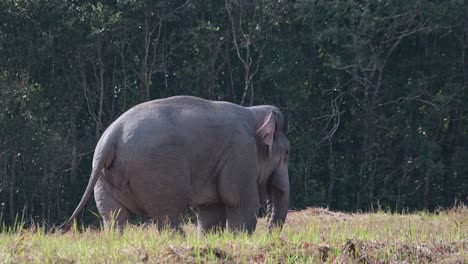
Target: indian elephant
pixel 163 156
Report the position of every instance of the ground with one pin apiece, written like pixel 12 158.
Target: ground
pixel 314 235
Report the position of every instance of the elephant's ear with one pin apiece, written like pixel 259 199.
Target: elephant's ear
pixel 267 131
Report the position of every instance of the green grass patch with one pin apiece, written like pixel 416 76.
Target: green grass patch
pixel 310 236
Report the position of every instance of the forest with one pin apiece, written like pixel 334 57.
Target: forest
pixel 375 92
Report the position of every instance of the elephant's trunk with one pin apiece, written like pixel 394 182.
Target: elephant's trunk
pixel 278 204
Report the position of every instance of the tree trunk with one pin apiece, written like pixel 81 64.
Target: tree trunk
pixel 12 189
pixel 426 192
pixel 144 65
pixel 74 142
pixel 150 52
pixel 332 176
pixel 100 116
pixel 125 77
pixel 357 206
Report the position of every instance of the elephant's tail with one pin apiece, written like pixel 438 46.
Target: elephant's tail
pixel 103 157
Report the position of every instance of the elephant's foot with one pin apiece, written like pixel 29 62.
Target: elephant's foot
pixel 172 223
pixel 116 219
pixel 242 219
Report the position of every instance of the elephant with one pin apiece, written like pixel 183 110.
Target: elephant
pixel 164 156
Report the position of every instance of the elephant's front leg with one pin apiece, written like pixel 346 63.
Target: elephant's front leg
pixel 238 186
pixel 242 218
pixel 242 205
pixel 211 218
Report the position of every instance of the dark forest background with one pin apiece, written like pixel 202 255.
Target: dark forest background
pixel 375 91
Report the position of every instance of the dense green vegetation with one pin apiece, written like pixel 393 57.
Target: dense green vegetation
pixel 375 91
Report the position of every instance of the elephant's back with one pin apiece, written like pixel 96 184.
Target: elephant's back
pixel 189 123
pixel 185 115
pixel 182 109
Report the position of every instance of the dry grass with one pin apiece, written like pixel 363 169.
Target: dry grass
pixel 313 235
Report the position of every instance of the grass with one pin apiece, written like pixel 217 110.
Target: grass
pixel 310 236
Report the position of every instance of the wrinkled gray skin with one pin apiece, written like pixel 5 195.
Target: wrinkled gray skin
pixel 164 156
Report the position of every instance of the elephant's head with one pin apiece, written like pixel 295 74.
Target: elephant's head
pixel 273 151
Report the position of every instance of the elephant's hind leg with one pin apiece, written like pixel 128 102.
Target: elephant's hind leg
pixel 211 218
pixel 172 222
pixel 113 213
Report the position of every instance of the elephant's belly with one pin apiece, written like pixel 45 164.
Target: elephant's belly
pixel 205 192
pixel 170 194
pixel 160 192
pixel 164 181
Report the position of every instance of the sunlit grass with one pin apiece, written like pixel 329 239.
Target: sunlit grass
pixel 309 236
